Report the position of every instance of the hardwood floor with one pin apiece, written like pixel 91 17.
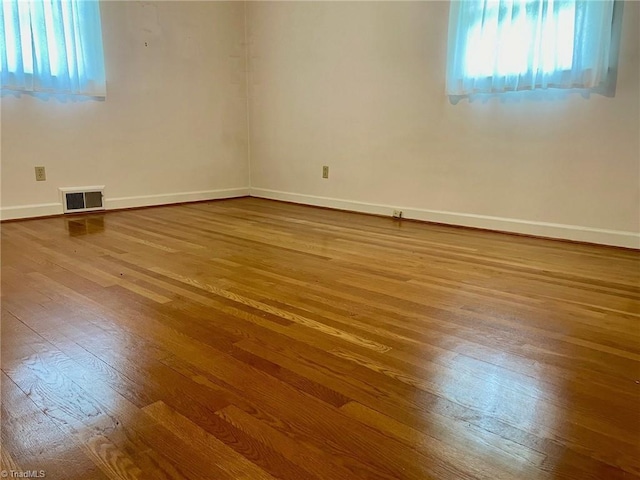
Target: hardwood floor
pixel 250 339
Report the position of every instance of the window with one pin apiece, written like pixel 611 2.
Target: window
pixel 508 45
pixel 52 46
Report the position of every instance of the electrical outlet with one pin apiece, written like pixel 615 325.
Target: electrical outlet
pixel 325 172
pixel 397 214
pixel 41 176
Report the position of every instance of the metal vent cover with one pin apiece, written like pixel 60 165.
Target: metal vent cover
pixel 82 199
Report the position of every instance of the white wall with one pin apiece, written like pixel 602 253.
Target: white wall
pixel 356 86
pixel 173 126
pixel 360 87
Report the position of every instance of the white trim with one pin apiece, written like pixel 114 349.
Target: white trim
pixel 542 229
pixel 46 209
pixel 30 211
pixel 167 199
pixel 93 188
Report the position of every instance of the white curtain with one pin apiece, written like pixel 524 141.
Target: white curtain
pixel 509 45
pixel 52 46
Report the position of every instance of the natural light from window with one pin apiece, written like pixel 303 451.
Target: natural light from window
pixel 55 63
pixel 12 36
pixel 52 46
pixel 52 41
pixel 509 47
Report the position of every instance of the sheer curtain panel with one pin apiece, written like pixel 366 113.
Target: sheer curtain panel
pixel 52 46
pixel 508 45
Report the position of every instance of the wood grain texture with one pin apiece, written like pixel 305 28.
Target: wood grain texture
pixel 252 339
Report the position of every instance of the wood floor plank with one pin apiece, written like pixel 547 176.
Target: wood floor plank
pixel 253 339
pixel 230 454
pixel 35 443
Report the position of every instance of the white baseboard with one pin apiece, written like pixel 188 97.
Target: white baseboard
pixel 541 229
pixel 30 211
pixel 46 209
pixel 167 199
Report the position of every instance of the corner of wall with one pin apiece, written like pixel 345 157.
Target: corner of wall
pixel 247 77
